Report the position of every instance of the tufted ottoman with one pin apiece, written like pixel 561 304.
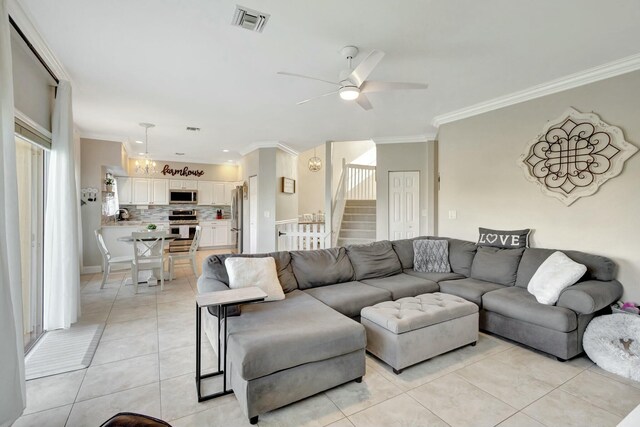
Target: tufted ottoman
pixel 411 330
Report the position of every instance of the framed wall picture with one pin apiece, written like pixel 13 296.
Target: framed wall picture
pixel 288 185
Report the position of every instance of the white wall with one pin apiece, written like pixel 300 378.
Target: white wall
pixel 249 166
pixel 268 164
pixel 311 184
pixel 482 182
pixel 95 157
pixel 286 204
pixel 418 156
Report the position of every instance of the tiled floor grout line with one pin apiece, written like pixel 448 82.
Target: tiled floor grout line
pixel 87 368
pixel 420 403
pixel 158 353
pixel 551 391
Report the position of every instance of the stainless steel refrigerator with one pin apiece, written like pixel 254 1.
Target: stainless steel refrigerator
pixel 237 199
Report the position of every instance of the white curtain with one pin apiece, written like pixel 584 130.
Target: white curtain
pixel 61 248
pixel 12 385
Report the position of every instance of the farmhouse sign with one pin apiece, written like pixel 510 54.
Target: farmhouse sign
pixel 182 172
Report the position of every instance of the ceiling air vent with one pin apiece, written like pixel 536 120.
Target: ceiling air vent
pixel 249 19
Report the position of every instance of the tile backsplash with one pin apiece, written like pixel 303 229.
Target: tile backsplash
pixel 161 213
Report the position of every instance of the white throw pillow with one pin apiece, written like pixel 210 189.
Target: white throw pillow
pixel 554 275
pixel 260 272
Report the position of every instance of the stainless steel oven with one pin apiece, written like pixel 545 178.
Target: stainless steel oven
pixel 182 222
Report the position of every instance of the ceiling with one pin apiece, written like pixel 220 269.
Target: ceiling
pixel 179 64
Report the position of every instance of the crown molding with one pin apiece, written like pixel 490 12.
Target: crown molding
pixel 268 144
pixel 26 23
pixel 404 139
pixel 591 75
pixel 102 137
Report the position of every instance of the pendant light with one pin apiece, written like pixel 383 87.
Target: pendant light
pixel 315 163
pixel 147 166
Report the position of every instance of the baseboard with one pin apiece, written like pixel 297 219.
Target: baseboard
pixel 91 269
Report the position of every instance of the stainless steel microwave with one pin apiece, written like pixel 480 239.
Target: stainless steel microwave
pixel 183 196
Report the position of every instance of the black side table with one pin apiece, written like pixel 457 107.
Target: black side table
pixel 222 300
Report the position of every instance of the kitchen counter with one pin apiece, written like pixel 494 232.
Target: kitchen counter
pixel 122 224
pixel 137 224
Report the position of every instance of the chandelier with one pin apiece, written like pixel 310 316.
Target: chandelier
pixel 315 163
pixel 146 166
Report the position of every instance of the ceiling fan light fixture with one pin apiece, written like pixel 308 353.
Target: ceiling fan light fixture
pixel 349 93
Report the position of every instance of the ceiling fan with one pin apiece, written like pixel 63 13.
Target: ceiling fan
pixel 353 84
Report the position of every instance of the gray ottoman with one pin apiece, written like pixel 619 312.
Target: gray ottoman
pixel 411 330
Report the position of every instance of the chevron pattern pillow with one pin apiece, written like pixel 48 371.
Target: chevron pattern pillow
pixel 431 256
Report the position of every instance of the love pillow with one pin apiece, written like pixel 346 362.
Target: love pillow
pixel 513 239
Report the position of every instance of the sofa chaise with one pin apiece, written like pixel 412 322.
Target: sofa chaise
pixel 283 351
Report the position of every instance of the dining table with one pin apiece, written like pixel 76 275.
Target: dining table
pixel 150 276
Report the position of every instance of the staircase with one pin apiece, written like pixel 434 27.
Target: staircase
pixel 358 222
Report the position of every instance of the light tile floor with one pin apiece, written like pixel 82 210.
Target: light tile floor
pixel 145 362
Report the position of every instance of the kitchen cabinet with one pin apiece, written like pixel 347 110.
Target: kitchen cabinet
pixel 215 233
pixel 123 186
pixel 141 191
pixel 221 235
pixel 183 184
pixel 159 192
pixel 205 193
pixel 218 193
pixel 206 238
pixel 228 191
pixel 212 193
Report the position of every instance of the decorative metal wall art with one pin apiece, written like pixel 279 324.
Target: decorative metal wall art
pixel 575 155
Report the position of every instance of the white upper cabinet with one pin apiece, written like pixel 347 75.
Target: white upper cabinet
pixel 160 192
pixel 141 191
pixel 218 193
pixel 150 191
pixel 228 190
pixel 124 190
pixel 205 193
pixel 183 184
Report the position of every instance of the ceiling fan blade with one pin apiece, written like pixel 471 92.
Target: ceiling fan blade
pixel 284 73
pixel 362 71
pixel 363 101
pixel 316 97
pixel 373 86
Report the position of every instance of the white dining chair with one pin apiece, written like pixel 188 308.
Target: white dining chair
pixel 107 259
pixel 148 253
pixel 186 256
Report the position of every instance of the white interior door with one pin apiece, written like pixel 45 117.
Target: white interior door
pixel 404 204
pixel 253 214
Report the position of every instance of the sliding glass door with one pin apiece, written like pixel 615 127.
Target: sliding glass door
pixel 30 166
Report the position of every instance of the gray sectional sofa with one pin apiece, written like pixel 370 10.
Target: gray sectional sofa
pixel 283 351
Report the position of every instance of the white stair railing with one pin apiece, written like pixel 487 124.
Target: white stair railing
pixel 293 236
pixel 360 182
pixel 357 182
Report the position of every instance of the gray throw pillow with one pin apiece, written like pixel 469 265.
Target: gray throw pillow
pixel 496 265
pixel 506 239
pixel 431 256
pixel 321 267
pixel 377 259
